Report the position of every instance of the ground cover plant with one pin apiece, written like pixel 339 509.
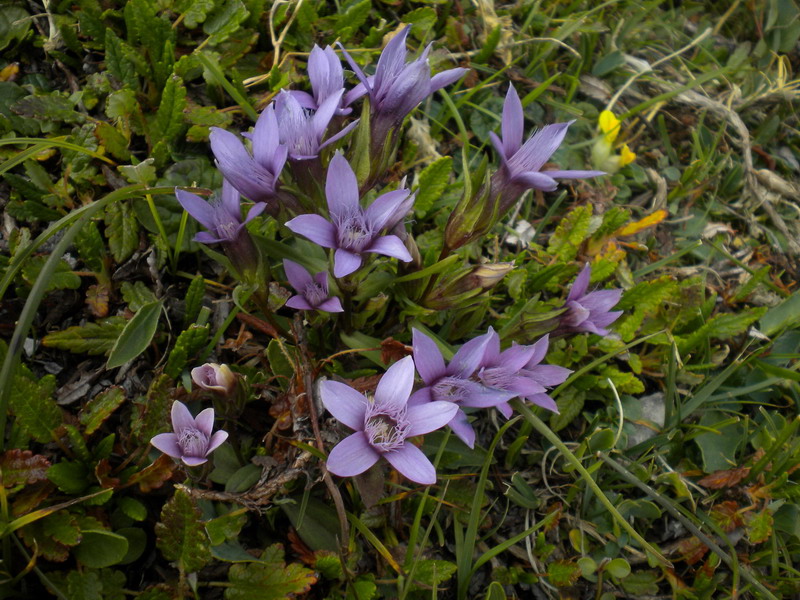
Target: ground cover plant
pixel 399 300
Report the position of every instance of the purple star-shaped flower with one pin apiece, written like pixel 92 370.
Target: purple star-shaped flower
pixel 191 440
pixel 545 375
pixel 521 164
pixel 398 87
pixel 589 312
pixel 383 425
pixel 327 79
pixel 312 292
pixel 453 383
pixel 302 130
pixel 352 231
pixel 256 175
pixel 222 217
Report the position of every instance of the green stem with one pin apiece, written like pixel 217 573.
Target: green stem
pixel 551 437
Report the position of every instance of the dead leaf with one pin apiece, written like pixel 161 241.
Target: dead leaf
pixel 724 479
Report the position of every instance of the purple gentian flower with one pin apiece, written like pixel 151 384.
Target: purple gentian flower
pixel 327 79
pixel 302 130
pixel 398 87
pixel 256 175
pixel 192 440
pixel 383 425
pixel 521 167
pixel 222 217
pixel 353 230
pixel 506 371
pixel 545 375
pixel 453 383
pixel 312 292
pixel 214 378
pixel 589 312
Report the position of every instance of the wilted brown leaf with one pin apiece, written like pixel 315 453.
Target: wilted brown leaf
pixel 154 476
pixel 22 467
pixel 392 350
pixel 724 479
pixel 692 550
pixel 727 515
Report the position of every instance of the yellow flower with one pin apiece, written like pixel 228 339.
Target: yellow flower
pixel 609 125
pixel 626 156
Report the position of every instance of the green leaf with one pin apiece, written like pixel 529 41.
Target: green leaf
pixel 117 61
pixel 271 579
pixel 226 527
pixel 719 447
pixel 195 11
pixel 136 295
pixel 63 277
pixel 570 233
pixel 432 183
pixel 152 414
pixel 35 411
pixel 562 573
pixel 122 230
pixel 14 24
pixel 48 107
pixel 194 299
pixel 133 508
pixel 143 172
pixel 113 140
pixel 225 21
pixel 278 362
pixel 243 479
pixel 570 404
pixel 189 343
pixel 105 584
pixel 433 572
pixel 169 119
pixel 180 533
pixel 99 408
pixel 785 314
pixel 721 326
pixel 92 338
pixel 136 336
pixel 348 22
pixel 90 246
pixel 100 548
pixel 618 567
pixel 70 477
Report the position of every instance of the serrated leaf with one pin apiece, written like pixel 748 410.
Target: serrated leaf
pixel 62 279
pixel 625 382
pixel 169 118
pixel 226 527
pixel 180 533
pixel 113 140
pixel 432 182
pixel 14 24
pixel 562 573
pixel 152 414
pixel 225 21
pixel 136 295
pixel 122 230
pixel 136 336
pixel 433 572
pixel 92 338
pixel 62 527
pixel 99 408
pixel 721 326
pixel 194 299
pixel 20 467
pixel 195 11
pixel 352 18
pixel 189 342
pixel 93 585
pixel 49 107
pixel 35 411
pixel 570 233
pixel 143 172
pixel 90 246
pixel 117 61
pixel 570 404
pixel 271 579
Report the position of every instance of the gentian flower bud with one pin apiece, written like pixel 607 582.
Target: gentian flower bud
pixel 215 378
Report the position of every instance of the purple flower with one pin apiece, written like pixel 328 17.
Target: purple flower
pixel 256 175
pixel 214 378
pixel 589 312
pixel 398 87
pixel 545 375
pixel 222 217
pixel 521 167
pixel 352 230
pixel 192 440
pixel 327 79
pixel 454 383
pixel 383 425
pixel 302 130
pixel 312 292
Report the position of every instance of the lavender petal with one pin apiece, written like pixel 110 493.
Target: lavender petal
pixel 344 403
pixel 352 456
pixel 413 464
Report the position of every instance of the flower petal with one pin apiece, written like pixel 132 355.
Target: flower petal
pixel 394 388
pixel 544 401
pixel 445 78
pixel 205 421
pixel 430 417
pixel 505 409
pixel 601 300
pixel 540 147
pixel 304 99
pixel 336 137
pixel 470 356
pixel 481 396
pixel 316 228
pixel 392 60
pixel 193 461
pixel 383 212
pixel 345 262
pixel 216 441
pixel 297 275
pixel 573 174
pixel 341 188
pixel 352 456
pixel 547 375
pixel 265 136
pixel 581 283
pixel 422 396
pixel 535 180
pixel 200 210
pixel 323 116
pixel 181 417
pixel 299 303
pixel 344 403
pixel 498 145
pixel 427 357
pixel 331 305
pixel 168 444
pixel 463 430
pixel 390 245
pixel 513 123
pixel 411 462
pixel 539 351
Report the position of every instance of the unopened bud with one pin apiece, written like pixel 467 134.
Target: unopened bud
pixel 215 378
pixel 460 289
